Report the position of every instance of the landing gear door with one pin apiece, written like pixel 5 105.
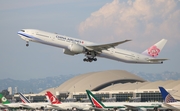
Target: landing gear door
pixel 53 37
pixel 112 50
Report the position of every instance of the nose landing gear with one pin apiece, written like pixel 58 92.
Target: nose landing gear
pixel 27 43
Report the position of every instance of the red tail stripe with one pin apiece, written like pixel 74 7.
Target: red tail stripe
pixel 52 98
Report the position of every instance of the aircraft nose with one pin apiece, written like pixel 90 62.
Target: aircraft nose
pixel 20 32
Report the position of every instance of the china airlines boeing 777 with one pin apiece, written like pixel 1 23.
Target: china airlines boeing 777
pixel 73 46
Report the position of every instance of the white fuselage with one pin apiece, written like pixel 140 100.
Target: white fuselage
pixel 43 105
pixel 72 105
pixel 140 106
pixel 64 42
pixel 11 105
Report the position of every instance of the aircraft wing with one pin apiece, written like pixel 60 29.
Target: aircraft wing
pixel 54 105
pixel 26 106
pixel 99 48
pixel 169 106
pixel 60 106
pixel 131 107
pixel 4 105
pixel 156 60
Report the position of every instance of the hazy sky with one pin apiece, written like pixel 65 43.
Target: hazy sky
pixel 143 21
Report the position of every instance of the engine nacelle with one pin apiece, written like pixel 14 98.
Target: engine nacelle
pixel 42 108
pixel 74 109
pixel 76 48
pixel 143 109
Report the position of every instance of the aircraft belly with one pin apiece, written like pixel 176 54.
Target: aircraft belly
pixel 25 38
pixel 123 58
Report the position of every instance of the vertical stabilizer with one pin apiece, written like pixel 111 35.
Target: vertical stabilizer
pixel 154 50
pixel 3 100
pixel 23 98
pixel 52 98
pixel 167 98
pixel 95 102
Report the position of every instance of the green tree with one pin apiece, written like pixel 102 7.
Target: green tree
pixel 5 92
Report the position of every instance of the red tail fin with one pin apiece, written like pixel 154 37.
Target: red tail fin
pixel 52 98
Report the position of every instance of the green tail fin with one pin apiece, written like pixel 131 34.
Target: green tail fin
pixel 3 100
pixel 95 102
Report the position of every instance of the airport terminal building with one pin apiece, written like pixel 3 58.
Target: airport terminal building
pixel 111 85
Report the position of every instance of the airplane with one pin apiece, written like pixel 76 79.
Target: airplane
pixel 7 104
pixel 26 104
pixel 169 101
pixel 36 105
pixel 3 100
pixel 140 106
pixel 56 104
pixel 73 46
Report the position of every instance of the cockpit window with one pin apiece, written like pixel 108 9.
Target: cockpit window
pixel 23 30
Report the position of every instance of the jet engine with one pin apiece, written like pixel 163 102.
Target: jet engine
pixel 76 48
pixel 42 108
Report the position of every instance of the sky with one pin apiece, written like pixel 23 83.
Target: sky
pixel 145 22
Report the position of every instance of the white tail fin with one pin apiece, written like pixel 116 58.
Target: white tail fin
pixel 154 50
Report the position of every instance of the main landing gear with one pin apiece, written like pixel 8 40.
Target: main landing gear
pixel 27 43
pixel 89 59
pixel 90 56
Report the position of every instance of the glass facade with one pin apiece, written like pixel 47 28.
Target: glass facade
pixel 151 97
pixel 122 96
pixel 100 96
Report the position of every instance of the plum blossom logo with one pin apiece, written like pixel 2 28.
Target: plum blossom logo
pixel 153 51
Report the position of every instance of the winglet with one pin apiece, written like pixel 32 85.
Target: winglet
pixel 23 98
pixel 52 98
pixel 154 50
pixel 166 96
pixel 95 102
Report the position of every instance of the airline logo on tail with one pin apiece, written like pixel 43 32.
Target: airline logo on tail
pixel 154 50
pixel 166 96
pixel 169 99
pixel 3 99
pixel 52 98
pixel 23 98
pixel 95 102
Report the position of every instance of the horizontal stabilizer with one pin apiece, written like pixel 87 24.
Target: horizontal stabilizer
pixel 53 105
pixel 101 47
pixel 156 60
